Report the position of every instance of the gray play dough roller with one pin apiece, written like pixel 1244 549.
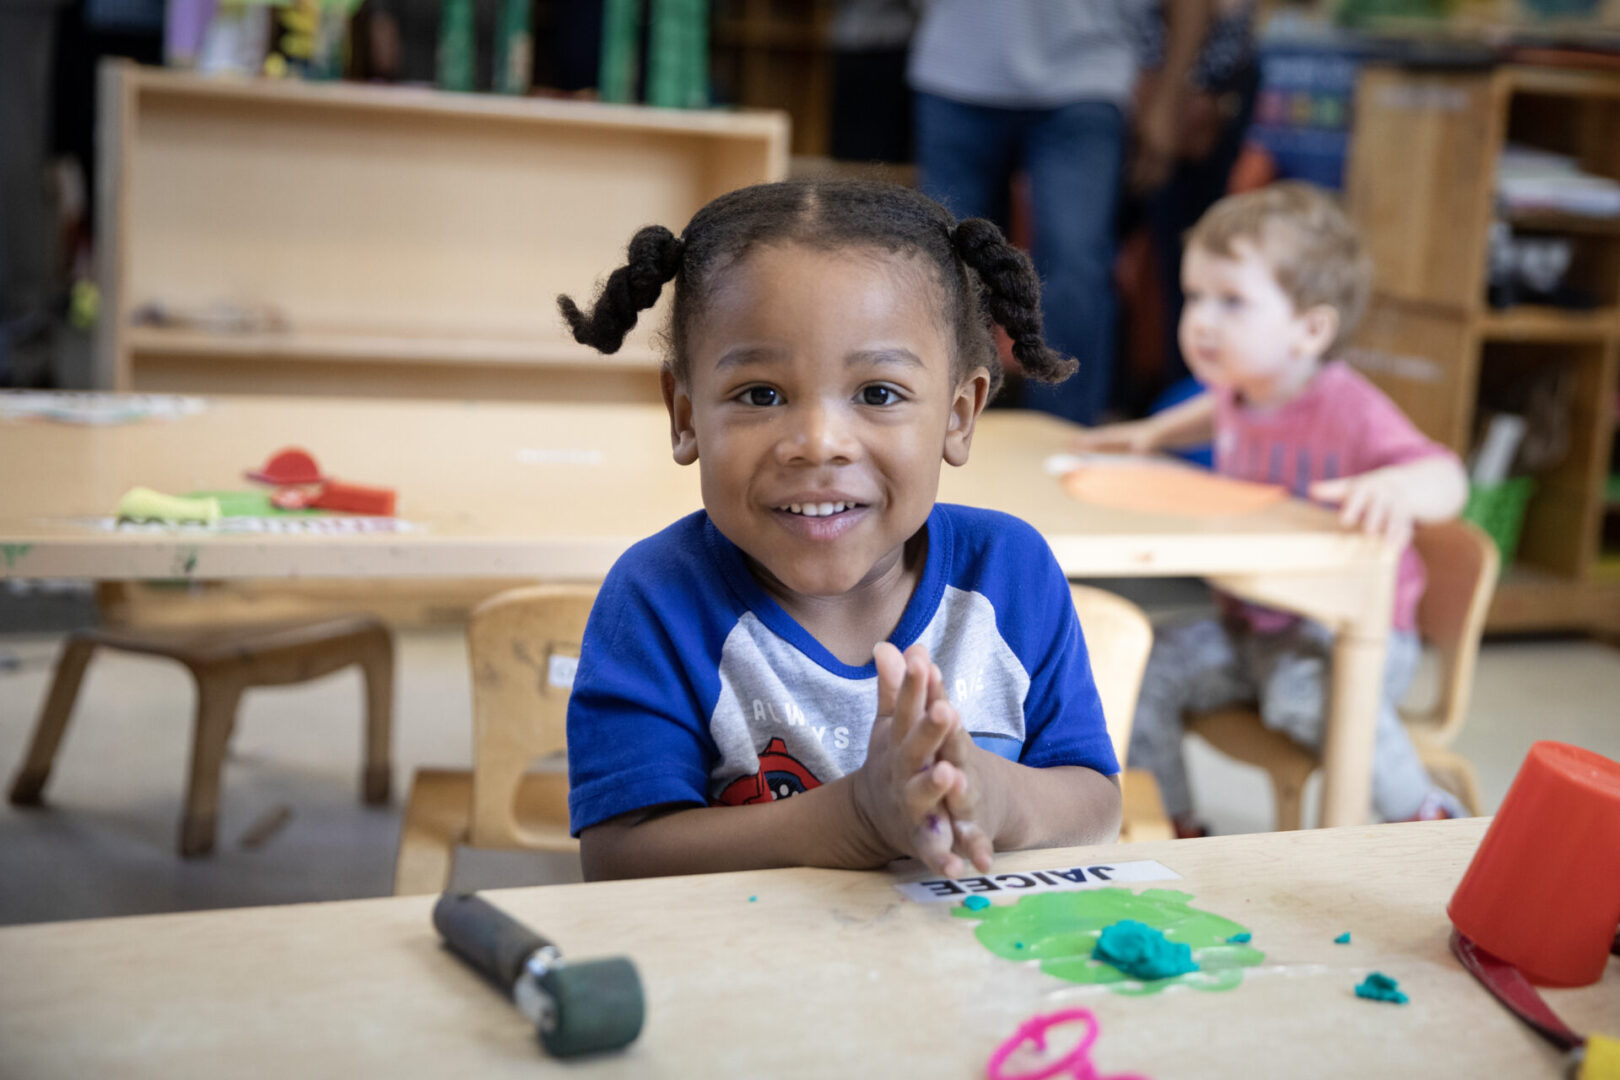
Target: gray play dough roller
pixel 582 1008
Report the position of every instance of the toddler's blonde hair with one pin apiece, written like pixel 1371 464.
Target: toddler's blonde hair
pixel 1312 247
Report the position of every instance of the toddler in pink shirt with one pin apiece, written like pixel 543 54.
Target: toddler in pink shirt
pixel 1275 281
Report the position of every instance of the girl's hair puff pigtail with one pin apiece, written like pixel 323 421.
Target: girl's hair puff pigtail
pixel 654 258
pixel 1012 294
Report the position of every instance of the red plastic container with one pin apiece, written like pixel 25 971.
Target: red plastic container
pixel 1543 891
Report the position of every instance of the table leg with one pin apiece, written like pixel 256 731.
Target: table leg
pixel 1352 724
pixel 1356 602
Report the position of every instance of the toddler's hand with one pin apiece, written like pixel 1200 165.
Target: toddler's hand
pixel 1375 502
pixel 971 839
pixel 1130 437
pixel 901 789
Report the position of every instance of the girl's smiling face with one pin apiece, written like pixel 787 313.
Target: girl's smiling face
pixel 822 398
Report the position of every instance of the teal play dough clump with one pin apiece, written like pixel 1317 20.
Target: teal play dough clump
pixel 1342 939
pixel 1138 949
pixel 1380 987
pixel 1240 939
pixel 975 903
pixel 1060 930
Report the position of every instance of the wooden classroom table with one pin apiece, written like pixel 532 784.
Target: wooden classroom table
pixel 793 973
pixel 557 492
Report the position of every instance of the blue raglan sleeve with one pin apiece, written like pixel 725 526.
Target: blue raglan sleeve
pixel 1063 717
pixel 637 719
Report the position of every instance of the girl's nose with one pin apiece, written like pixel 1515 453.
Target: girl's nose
pixel 818 434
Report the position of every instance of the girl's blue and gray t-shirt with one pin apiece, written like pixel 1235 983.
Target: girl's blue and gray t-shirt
pixel 694 686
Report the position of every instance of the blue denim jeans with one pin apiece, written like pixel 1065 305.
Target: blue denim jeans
pixel 967 155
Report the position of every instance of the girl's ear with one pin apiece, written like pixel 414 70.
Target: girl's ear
pixel 971 395
pixel 682 435
pixel 1318 326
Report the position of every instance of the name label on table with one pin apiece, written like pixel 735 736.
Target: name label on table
pixel 288 526
pixel 1064 879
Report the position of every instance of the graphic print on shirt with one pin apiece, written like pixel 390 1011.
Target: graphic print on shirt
pixel 772 693
pixel 1266 460
pixel 780 776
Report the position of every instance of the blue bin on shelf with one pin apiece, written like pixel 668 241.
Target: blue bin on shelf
pixel 1304 112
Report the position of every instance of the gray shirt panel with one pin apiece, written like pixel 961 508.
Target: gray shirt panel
pixel 1029 53
pixel 769 689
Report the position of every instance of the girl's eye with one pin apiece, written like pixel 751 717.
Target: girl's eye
pixel 1232 301
pixel 879 395
pixel 763 396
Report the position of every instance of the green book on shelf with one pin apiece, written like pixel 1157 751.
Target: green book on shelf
pixel 456 45
pixel 621 56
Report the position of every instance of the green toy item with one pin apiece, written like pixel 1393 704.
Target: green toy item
pixel 144 504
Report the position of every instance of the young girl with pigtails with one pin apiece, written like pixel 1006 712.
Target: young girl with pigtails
pixel 824 666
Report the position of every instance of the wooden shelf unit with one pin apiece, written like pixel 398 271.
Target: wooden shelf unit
pixel 1421 184
pixel 1549 221
pixel 413 241
pixel 776 54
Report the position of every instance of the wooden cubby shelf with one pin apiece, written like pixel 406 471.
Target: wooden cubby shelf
pixel 404 242
pixel 1421 184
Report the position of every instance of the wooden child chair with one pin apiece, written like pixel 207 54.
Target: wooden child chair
pixel 515 642
pixel 1462 567
pixel 1118 639
pixel 522 645
pixel 225 663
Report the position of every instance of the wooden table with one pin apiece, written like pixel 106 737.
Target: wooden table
pixel 791 973
pixel 558 492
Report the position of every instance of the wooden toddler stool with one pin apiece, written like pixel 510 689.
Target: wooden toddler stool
pixel 1462 564
pixel 224 663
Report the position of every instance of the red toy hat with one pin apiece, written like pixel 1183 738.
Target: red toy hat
pixel 290 466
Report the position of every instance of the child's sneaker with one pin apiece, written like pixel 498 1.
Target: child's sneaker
pixel 1187 827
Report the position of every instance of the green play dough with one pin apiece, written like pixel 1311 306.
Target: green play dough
pixel 1138 949
pixel 1061 929
pixel 1380 987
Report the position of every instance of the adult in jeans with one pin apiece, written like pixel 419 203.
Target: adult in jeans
pixel 1212 124
pixel 1043 87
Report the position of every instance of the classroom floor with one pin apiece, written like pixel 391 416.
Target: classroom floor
pixel 104 843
